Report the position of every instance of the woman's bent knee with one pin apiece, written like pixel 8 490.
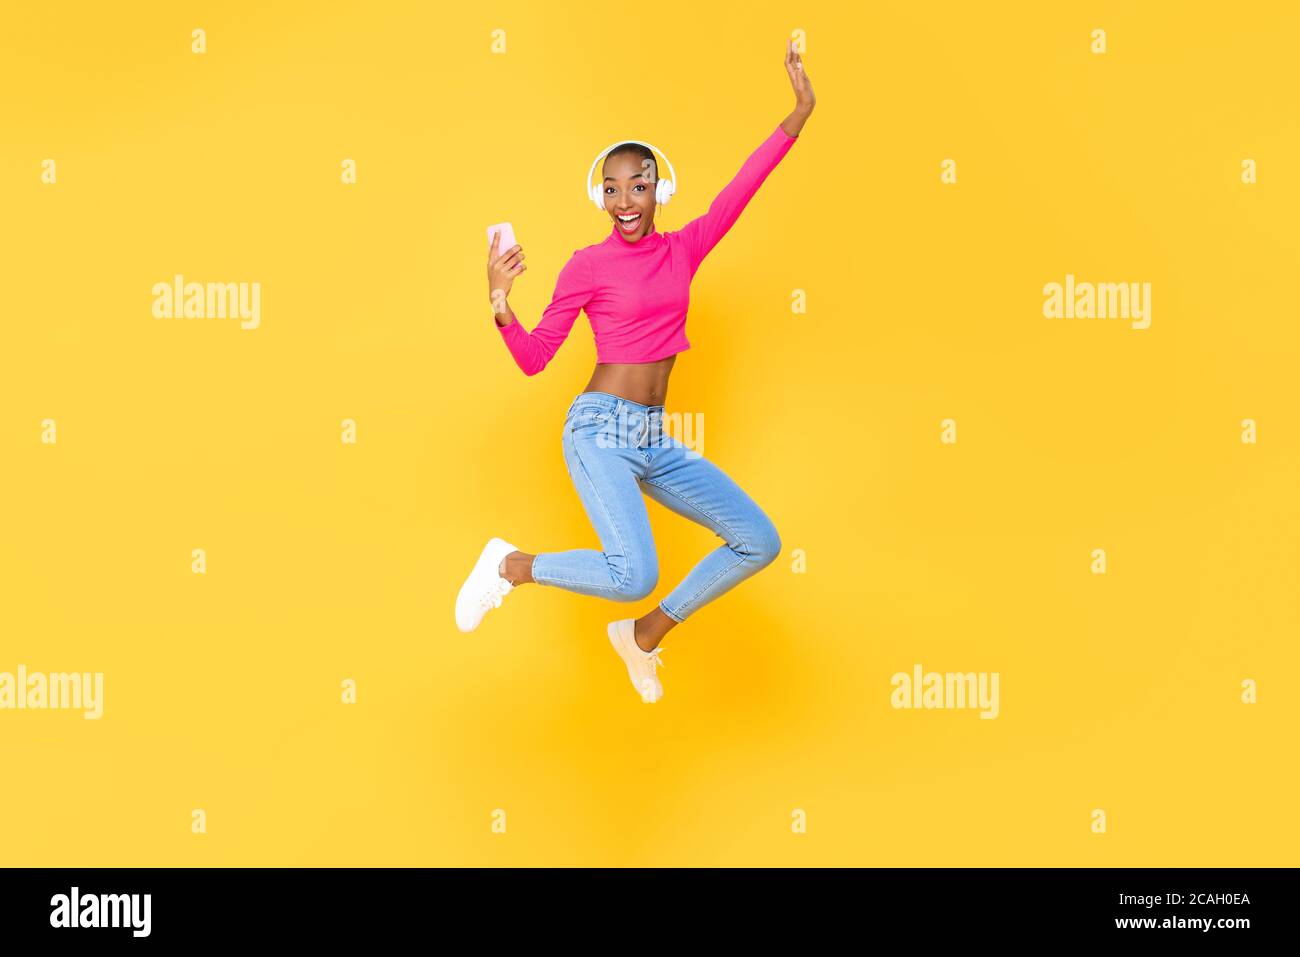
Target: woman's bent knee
pixel 637 580
pixel 763 544
pixel 636 588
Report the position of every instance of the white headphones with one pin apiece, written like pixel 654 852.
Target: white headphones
pixel 664 188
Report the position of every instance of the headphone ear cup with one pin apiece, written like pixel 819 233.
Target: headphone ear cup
pixel 664 190
pixel 596 196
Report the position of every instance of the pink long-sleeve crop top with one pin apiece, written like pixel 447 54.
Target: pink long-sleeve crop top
pixel 636 294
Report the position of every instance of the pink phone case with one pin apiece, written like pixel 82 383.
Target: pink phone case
pixel 507 236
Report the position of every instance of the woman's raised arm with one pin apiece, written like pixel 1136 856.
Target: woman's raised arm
pixel 701 234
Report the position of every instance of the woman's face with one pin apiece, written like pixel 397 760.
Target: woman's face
pixel 630 193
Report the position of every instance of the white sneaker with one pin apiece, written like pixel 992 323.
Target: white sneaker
pixel 484 588
pixel 640 664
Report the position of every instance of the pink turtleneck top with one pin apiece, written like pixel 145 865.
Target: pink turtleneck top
pixel 636 294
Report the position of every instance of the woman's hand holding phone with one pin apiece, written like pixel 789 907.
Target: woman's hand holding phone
pixel 503 267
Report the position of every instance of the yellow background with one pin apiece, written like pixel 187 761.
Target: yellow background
pixel 327 561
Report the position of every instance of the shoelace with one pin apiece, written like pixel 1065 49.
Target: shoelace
pixel 646 683
pixel 494 594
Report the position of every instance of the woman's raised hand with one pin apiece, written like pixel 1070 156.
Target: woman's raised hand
pixel 804 98
pixel 502 270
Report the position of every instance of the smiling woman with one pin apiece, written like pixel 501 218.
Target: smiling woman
pixel 635 289
pixel 630 188
pixel 635 286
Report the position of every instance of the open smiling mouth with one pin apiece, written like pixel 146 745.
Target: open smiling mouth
pixel 629 223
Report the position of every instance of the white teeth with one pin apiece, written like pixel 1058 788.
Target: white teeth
pixel 631 218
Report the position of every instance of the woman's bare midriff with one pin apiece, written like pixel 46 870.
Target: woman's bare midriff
pixel 642 382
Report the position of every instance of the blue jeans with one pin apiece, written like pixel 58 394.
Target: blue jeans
pixel 614 449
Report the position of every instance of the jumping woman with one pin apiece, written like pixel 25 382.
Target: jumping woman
pixel 635 288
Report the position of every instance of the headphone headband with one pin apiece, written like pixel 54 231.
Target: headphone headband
pixel 664 187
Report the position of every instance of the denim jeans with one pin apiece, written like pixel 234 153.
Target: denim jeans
pixel 615 449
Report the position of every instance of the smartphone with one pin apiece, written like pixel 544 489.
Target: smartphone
pixel 507 236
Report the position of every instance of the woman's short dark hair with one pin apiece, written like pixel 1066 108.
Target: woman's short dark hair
pixel 644 152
